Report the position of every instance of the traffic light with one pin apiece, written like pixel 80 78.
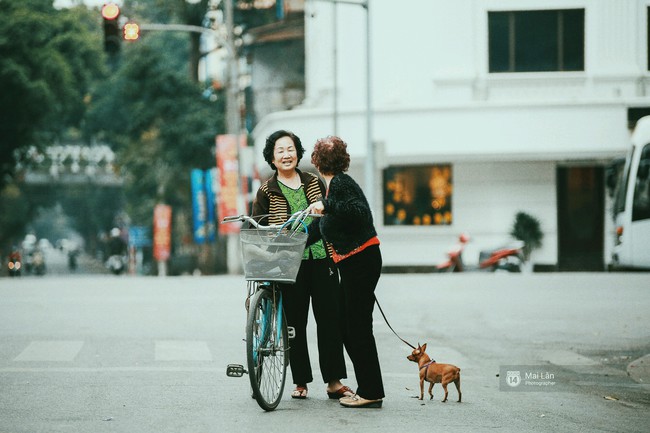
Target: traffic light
pixel 131 31
pixel 112 36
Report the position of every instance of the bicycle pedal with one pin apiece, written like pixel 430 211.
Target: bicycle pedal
pixel 291 331
pixel 235 370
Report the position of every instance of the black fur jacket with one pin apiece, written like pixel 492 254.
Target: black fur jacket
pixel 347 221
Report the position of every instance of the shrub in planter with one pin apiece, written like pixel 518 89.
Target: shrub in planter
pixel 526 228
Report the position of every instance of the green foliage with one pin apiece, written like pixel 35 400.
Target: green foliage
pixel 527 229
pixel 14 210
pixel 167 11
pixel 48 61
pixel 249 16
pixel 154 116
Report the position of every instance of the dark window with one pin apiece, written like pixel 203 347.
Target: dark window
pixel 418 195
pixel 534 41
pixel 641 203
pixel 634 114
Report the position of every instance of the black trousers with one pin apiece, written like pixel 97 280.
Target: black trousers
pixel 359 277
pixel 317 282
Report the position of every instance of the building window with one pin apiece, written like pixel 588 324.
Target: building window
pixel 418 195
pixel 536 41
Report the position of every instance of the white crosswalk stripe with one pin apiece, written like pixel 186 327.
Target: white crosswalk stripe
pixel 51 351
pixel 68 350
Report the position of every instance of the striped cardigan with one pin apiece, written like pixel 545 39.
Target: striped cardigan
pixel 270 200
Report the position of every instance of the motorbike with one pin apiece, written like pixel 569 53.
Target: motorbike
pixel 116 264
pixel 14 265
pixel 454 262
pixel 509 257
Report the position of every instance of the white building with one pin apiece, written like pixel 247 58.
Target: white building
pixel 523 103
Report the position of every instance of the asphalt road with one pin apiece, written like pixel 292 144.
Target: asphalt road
pixel 145 354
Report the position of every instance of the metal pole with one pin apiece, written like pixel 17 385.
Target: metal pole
pixel 232 104
pixel 335 90
pixel 370 147
pixel 233 120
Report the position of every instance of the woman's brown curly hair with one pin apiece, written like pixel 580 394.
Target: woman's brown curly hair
pixel 330 155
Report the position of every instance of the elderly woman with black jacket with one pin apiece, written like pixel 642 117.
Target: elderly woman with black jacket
pixel 347 225
pixel 290 190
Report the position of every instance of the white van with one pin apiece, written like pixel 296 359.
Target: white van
pixel 632 204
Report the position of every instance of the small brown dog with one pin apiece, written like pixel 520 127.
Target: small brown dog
pixel 433 372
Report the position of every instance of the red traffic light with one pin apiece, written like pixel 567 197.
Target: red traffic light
pixel 110 11
pixel 131 31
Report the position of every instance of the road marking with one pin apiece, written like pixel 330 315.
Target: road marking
pixel 75 370
pixel 175 350
pixel 51 351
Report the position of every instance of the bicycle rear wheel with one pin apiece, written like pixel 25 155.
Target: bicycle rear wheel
pixel 267 349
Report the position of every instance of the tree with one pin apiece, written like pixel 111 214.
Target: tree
pixel 48 61
pixel 156 119
pixel 176 11
pixel 14 212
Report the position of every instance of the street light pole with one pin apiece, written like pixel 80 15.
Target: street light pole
pixel 233 119
pixel 370 145
pixel 335 69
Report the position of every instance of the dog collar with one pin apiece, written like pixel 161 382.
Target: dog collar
pixel 428 364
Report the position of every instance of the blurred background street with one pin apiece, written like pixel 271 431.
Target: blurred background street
pixel 142 122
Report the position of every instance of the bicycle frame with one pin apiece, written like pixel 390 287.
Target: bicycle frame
pixel 267 334
pixel 266 319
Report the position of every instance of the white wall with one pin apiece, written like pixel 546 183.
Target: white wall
pixel 420 47
pixel 486 197
pixel 434 101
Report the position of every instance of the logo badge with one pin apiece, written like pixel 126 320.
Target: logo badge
pixel 513 378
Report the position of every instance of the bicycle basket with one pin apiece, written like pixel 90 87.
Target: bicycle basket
pixel 272 255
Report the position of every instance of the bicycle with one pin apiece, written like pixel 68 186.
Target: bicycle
pixel 271 255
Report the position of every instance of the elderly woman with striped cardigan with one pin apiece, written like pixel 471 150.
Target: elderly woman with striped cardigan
pixel 290 190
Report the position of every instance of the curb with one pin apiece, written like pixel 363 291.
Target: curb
pixel 639 370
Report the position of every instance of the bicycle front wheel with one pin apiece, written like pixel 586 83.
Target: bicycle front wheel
pixel 267 349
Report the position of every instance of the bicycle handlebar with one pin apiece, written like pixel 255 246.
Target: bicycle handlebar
pixel 298 216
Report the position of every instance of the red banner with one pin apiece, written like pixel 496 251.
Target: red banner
pixel 228 195
pixel 162 232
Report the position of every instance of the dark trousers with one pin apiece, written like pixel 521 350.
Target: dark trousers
pixel 359 277
pixel 317 281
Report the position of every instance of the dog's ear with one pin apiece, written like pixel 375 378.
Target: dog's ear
pixel 424 347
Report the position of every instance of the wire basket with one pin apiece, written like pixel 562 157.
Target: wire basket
pixel 272 255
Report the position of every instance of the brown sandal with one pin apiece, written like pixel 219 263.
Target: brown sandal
pixel 300 392
pixel 343 391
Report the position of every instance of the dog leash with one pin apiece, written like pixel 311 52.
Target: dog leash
pixel 391 328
